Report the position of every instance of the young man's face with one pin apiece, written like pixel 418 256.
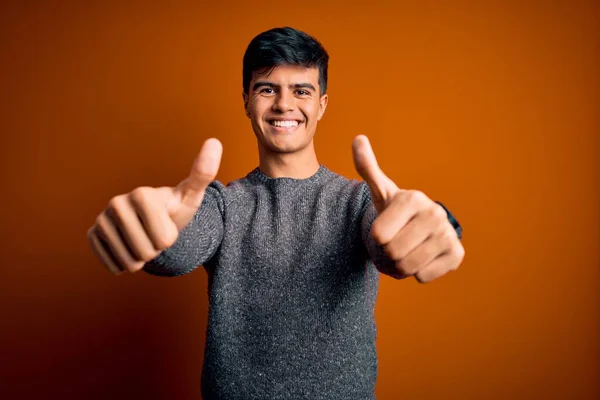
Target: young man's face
pixel 284 107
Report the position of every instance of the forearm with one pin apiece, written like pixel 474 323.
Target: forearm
pixel 196 244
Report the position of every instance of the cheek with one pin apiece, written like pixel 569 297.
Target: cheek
pixel 255 111
pixel 258 108
pixel 311 111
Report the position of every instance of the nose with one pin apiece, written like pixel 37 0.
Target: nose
pixel 284 101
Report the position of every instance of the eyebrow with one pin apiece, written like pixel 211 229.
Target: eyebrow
pixel 275 86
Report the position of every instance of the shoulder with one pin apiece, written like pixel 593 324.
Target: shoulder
pixel 229 193
pixel 354 192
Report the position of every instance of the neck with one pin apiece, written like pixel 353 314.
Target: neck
pixel 299 165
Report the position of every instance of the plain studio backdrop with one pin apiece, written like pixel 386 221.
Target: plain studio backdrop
pixel 489 106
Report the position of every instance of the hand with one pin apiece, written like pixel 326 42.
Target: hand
pixel 413 229
pixel 137 226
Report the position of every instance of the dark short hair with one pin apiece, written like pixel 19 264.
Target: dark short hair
pixel 284 46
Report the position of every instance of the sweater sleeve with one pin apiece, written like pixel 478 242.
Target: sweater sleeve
pixel 375 251
pixel 198 242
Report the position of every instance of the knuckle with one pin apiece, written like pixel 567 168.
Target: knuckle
pixel 162 242
pixel 443 225
pixel 136 267
pixel 415 196
pixel 93 243
pixel 147 255
pixel 115 203
pixel 404 267
pixel 417 262
pixel 422 278
pixel 436 218
pixel 412 268
pixel 115 267
pixel 140 195
pixel 449 235
pixel 104 227
pixel 393 253
pixel 132 267
pixel 460 255
pixel 439 212
pixel 166 240
pixel 396 250
pixel 173 234
pixel 101 223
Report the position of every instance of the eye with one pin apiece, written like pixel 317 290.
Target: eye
pixel 267 90
pixel 301 92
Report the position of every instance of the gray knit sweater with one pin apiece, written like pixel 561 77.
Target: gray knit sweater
pixel 292 287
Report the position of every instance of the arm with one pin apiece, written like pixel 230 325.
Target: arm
pixel 198 242
pixel 142 229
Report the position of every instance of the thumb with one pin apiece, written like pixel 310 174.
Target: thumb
pixel 190 191
pixel 382 188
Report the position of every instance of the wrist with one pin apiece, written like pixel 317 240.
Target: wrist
pixel 452 220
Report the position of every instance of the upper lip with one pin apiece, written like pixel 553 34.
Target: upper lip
pixel 284 119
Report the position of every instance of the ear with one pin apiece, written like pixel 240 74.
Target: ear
pixel 245 97
pixel 322 106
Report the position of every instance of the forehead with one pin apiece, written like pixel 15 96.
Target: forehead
pixel 288 74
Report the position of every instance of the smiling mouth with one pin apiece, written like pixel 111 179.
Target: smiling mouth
pixel 288 123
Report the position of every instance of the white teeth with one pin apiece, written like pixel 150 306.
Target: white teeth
pixel 285 124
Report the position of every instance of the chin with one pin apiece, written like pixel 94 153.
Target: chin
pixel 284 148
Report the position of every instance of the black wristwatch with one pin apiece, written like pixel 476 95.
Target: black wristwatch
pixel 453 221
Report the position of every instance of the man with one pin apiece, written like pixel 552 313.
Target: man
pixel 293 250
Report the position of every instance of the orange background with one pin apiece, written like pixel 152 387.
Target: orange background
pixel 490 107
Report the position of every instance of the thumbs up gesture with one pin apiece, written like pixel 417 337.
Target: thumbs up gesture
pixel 413 230
pixel 137 226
